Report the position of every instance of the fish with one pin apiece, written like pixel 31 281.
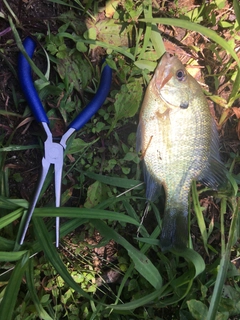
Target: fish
pixel 179 143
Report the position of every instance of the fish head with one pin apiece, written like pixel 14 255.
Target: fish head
pixel 171 82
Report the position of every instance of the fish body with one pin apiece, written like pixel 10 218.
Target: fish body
pixel 179 143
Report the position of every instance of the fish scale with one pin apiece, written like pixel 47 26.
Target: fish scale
pixel 179 143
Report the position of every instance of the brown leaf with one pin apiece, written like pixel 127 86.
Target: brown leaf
pixel 236 111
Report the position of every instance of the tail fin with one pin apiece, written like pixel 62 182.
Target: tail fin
pixel 174 233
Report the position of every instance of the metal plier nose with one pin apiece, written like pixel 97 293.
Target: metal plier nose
pixel 53 151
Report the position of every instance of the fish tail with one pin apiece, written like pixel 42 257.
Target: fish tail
pixel 174 233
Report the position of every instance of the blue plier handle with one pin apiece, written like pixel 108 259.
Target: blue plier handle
pixel 54 152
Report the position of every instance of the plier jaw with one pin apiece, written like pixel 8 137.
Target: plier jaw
pixel 53 151
pixel 53 155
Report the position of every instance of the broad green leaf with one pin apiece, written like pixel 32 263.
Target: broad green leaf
pixel 97 192
pixel 78 145
pixel 128 100
pixel 198 309
pixel 110 32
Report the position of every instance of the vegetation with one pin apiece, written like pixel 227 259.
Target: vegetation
pixel 109 264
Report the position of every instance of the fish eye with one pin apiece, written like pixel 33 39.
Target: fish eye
pixel 180 74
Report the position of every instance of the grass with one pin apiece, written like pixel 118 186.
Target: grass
pixel 103 197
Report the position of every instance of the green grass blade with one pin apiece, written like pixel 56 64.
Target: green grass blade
pixel 148 30
pixel 157 41
pixel 76 38
pixel 149 298
pixel 12 256
pixel 32 290
pixel 142 264
pixel 223 210
pixel 12 204
pixel 11 217
pixel 23 51
pixel 53 256
pixel 236 7
pixel 211 34
pixel 10 295
pixel 195 258
pixel 223 267
pixel 114 181
pixel 8 113
pixel 199 215
pixel 198 28
pixel 18 148
pixel 82 213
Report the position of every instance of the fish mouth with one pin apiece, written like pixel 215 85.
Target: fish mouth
pixel 163 72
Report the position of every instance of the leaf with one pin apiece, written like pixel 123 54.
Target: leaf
pixel 76 69
pixel 15 148
pixel 33 293
pixel 11 292
pixel 12 256
pixel 157 41
pixel 128 100
pixel 141 262
pixel 236 7
pixel 200 219
pixel 52 255
pixel 198 28
pixel 114 47
pixel 81 213
pixel 223 267
pixel 195 258
pixel 114 181
pixel 197 309
pixel 9 218
pixel 78 145
pixel 95 194
pixel 146 64
pixel 114 33
pixel 110 8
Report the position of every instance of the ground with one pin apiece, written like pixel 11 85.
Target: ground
pixel 111 150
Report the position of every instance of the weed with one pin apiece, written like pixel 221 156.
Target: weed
pixel 103 197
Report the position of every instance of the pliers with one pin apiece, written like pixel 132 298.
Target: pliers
pixel 54 151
